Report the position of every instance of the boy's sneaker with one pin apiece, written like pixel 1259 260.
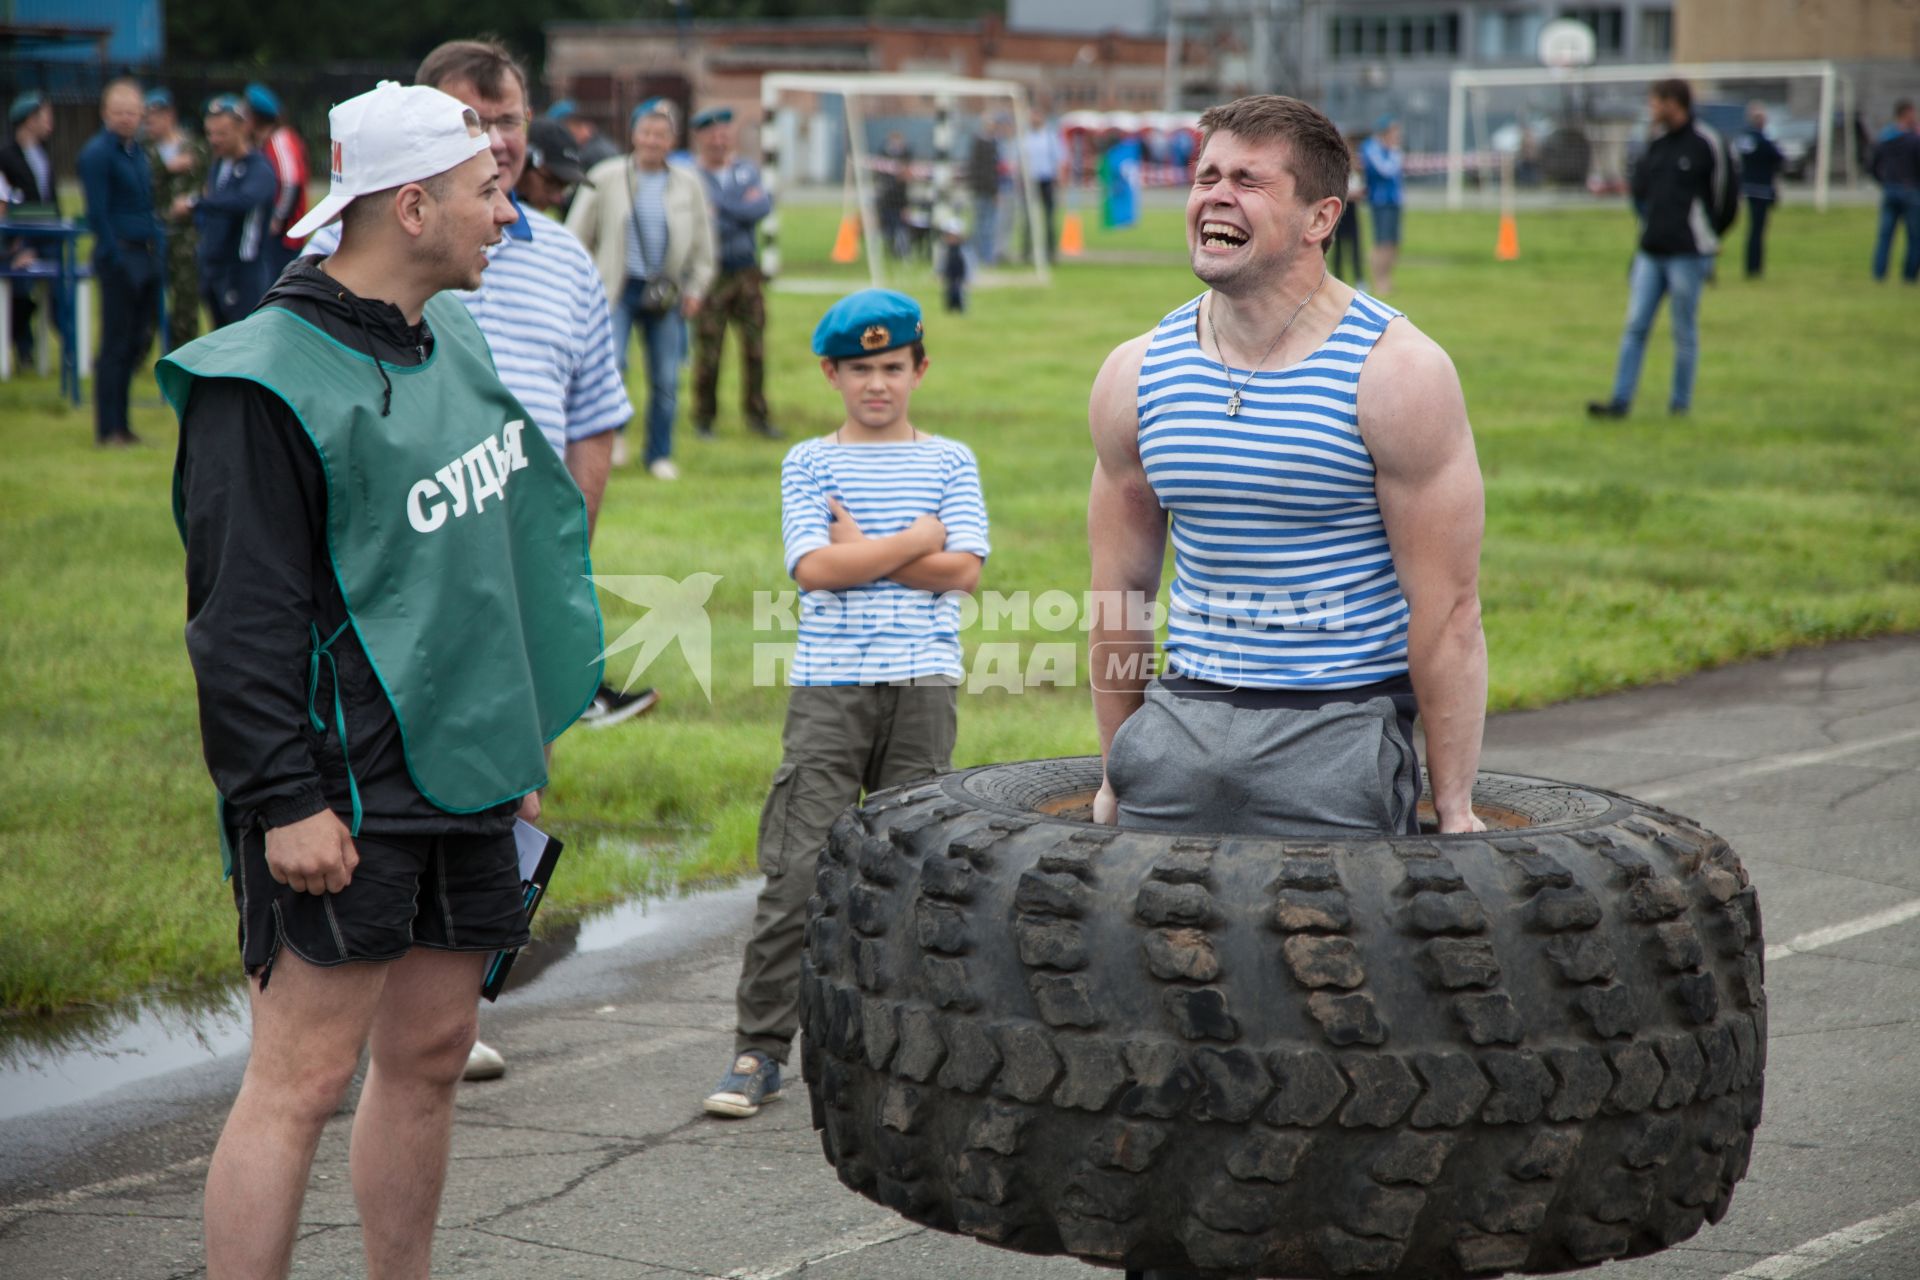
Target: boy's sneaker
pixel 752 1081
pixel 610 706
pixel 663 469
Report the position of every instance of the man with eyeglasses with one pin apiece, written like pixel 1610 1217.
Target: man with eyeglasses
pixel 231 214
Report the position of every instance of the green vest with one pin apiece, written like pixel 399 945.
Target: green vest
pixel 458 538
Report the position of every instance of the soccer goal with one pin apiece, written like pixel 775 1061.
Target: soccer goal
pixel 1580 128
pixel 898 200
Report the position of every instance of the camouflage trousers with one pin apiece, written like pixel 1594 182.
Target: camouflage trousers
pixel 183 287
pixel 737 298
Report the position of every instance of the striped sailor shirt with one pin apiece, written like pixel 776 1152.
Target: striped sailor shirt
pixel 1282 574
pixel 882 631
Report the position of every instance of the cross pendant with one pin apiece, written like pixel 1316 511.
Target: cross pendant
pixel 1233 405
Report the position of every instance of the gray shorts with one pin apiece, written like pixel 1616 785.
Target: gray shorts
pixel 1198 757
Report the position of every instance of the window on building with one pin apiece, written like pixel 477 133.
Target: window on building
pixel 1656 34
pixel 1413 35
pixel 1607 22
pixel 1507 35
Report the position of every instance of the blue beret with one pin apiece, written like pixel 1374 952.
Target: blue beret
pixel 562 109
pixel 25 105
pixel 652 106
pixel 867 323
pixel 160 98
pixel 262 100
pixel 713 115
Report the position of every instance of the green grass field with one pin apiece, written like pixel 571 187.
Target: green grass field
pixel 1781 513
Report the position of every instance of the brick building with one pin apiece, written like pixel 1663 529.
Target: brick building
pixel 606 67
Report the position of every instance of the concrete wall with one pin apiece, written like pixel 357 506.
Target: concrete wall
pixel 1758 30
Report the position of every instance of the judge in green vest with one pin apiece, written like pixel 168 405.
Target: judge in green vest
pixel 389 616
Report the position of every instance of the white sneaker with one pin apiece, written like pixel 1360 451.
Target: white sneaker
pixel 663 469
pixel 484 1063
pixel 619 458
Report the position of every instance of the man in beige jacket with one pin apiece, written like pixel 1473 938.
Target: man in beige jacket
pixel 650 231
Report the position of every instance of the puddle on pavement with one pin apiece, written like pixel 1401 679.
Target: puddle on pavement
pixel 71 1057
pixel 51 1062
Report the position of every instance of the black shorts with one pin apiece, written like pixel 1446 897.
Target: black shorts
pixel 449 892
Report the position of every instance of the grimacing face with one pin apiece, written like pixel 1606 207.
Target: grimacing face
pixel 1245 218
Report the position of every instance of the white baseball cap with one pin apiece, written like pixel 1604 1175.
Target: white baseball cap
pixel 389 136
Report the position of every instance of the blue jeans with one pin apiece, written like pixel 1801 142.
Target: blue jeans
pixel 664 337
pixel 1898 205
pixel 986 229
pixel 1678 274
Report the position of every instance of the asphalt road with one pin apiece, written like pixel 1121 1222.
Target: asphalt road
pixel 591 1158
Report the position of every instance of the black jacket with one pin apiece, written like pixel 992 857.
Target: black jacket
pixel 19 174
pixel 1760 162
pixel 1687 189
pixel 260 581
pixel 1896 161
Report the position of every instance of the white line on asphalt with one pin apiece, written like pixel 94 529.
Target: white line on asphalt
pixel 9 1214
pixel 1687 783
pixel 882 1233
pixel 1817 938
pixel 1835 1244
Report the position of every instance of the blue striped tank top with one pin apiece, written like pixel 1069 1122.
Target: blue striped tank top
pixel 1282 577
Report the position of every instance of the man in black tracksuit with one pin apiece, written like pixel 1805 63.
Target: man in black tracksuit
pixel 1686 190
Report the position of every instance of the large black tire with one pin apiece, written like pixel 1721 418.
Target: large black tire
pixel 1528 1050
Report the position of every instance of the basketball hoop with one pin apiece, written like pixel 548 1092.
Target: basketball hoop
pixel 1566 44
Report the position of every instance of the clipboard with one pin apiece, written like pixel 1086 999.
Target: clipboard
pixel 539 852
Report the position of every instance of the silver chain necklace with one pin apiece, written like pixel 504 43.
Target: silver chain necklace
pixel 1233 392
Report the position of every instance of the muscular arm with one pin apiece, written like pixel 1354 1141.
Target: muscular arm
pixel 1126 545
pixel 1414 421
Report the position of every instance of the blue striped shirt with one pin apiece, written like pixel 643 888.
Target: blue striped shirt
pixel 882 631
pixel 1282 575
pixel 647 226
pixel 543 311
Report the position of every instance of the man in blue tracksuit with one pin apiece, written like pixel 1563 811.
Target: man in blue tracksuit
pixel 232 215
pixel 1760 162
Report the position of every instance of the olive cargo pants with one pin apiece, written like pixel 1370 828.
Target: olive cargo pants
pixel 840 742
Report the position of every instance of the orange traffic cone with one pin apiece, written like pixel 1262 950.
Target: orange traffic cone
pixel 1507 248
pixel 1073 237
pixel 846 245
